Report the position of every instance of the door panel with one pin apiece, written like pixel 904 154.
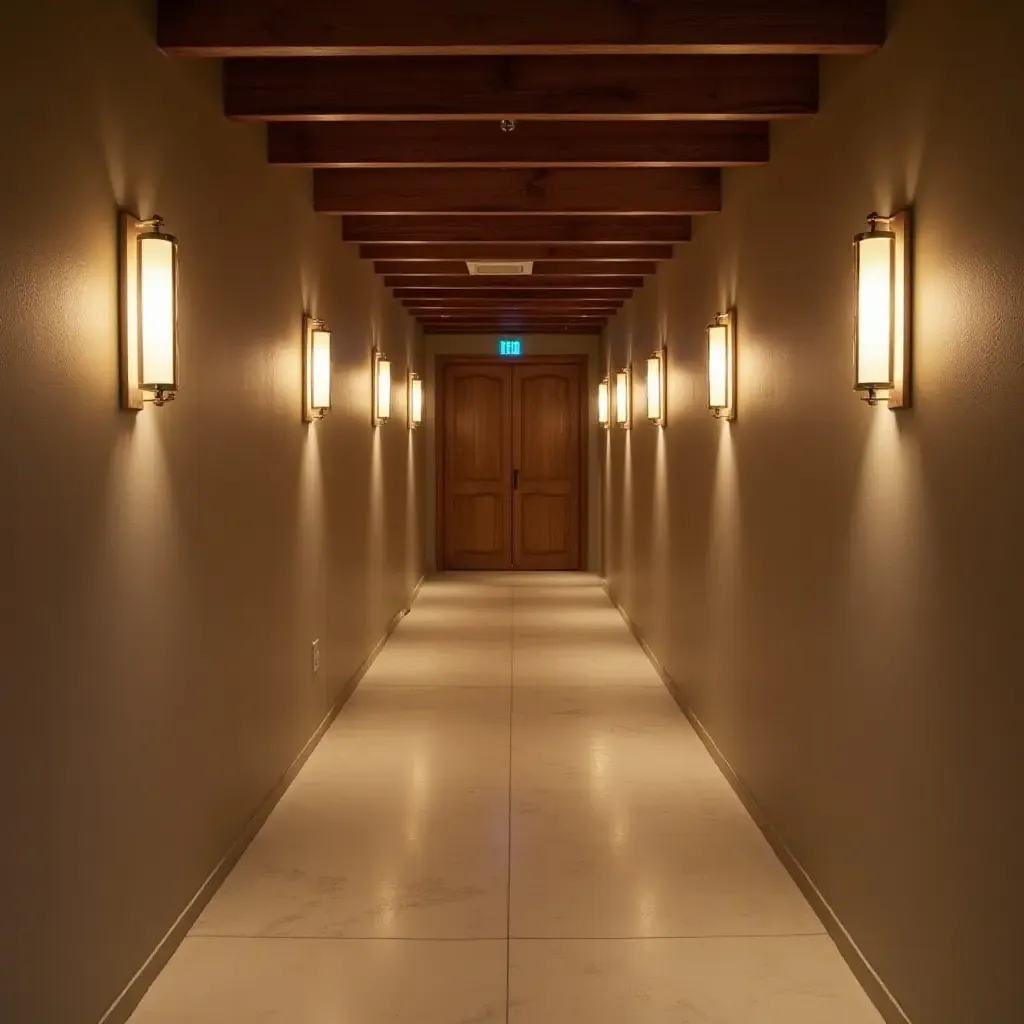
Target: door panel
pixel 478 467
pixel 546 450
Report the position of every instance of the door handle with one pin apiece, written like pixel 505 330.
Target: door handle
pixel 515 479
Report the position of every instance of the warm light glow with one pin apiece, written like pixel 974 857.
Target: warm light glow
pixel 875 253
pixel 656 388
pixel 318 369
pixel 149 312
pixel 415 400
pixel 881 356
pixel 602 403
pixel 721 368
pixel 382 388
pixel 623 413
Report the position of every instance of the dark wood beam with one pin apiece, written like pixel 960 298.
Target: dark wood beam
pixel 537 229
pixel 425 254
pixel 223 28
pixel 513 283
pixel 530 329
pixel 472 305
pixel 492 88
pixel 590 191
pixel 545 269
pixel 503 293
pixel 515 325
pixel 380 144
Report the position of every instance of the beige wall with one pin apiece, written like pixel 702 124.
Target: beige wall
pixel 533 344
pixel 163 575
pixel 838 588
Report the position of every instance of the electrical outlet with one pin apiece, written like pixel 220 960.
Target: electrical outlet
pixel 316 656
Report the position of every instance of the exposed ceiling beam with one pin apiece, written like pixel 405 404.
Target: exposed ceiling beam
pixel 532 144
pixel 513 283
pixel 492 88
pixel 542 229
pixel 469 305
pixel 589 191
pixel 545 269
pixel 503 293
pixel 530 329
pixel 424 255
pixel 221 28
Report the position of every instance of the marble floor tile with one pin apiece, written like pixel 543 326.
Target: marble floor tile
pixel 788 980
pixel 310 981
pixel 511 788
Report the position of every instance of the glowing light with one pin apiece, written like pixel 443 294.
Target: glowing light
pixel 623 410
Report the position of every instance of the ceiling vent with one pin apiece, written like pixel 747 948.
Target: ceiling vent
pixel 496 268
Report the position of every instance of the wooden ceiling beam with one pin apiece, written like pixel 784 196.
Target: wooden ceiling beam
pixel 224 28
pixel 529 329
pixel 541 269
pixel 544 88
pixel 585 191
pixel 425 254
pixel 503 293
pixel 472 305
pixel 513 284
pixel 380 144
pixel 491 229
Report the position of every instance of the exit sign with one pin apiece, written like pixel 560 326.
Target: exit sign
pixel 510 347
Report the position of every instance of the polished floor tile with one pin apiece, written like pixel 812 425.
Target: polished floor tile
pixel 800 980
pixel 307 981
pixel 510 821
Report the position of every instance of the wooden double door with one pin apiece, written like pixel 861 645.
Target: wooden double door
pixel 512 464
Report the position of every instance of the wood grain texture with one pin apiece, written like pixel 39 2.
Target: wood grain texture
pixel 477 467
pixel 221 28
pixel 491 88
pixel 536 329
pixel 547 454
pixel 535 229
pixel 424 254
pixel 538 190
pixel 379 144
pixel 503 293
pixel 544 269
pixel 513 283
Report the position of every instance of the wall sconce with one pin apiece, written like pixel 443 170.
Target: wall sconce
pixel 722 366
pixel 656 381
pixel 603 410
pixel 316 369
pixel 623 398
pixel 381 388
pixel 881 353
pixel 415 400
pixel 149 312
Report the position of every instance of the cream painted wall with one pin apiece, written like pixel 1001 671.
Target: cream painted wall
pixel 533 344
pixel 838 588
pixel 164 574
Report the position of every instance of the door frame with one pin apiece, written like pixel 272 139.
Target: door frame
pixel 442 362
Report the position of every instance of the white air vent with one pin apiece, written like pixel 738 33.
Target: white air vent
pixel 494 268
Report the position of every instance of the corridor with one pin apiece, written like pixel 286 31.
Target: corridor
pixel 510 820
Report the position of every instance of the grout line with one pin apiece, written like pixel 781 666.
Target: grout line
pixel 508 905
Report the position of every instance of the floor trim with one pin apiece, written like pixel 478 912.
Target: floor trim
pixel 877 991
pixel 125 1004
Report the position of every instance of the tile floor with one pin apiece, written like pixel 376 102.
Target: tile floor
pixel 509 822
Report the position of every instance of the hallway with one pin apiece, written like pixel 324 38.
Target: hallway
pixel 510 820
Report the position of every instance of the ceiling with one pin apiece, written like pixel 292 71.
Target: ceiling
pixel 619 116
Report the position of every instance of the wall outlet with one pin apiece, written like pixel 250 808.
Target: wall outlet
pixel 316 656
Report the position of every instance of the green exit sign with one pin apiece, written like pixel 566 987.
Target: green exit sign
pixel 510 346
